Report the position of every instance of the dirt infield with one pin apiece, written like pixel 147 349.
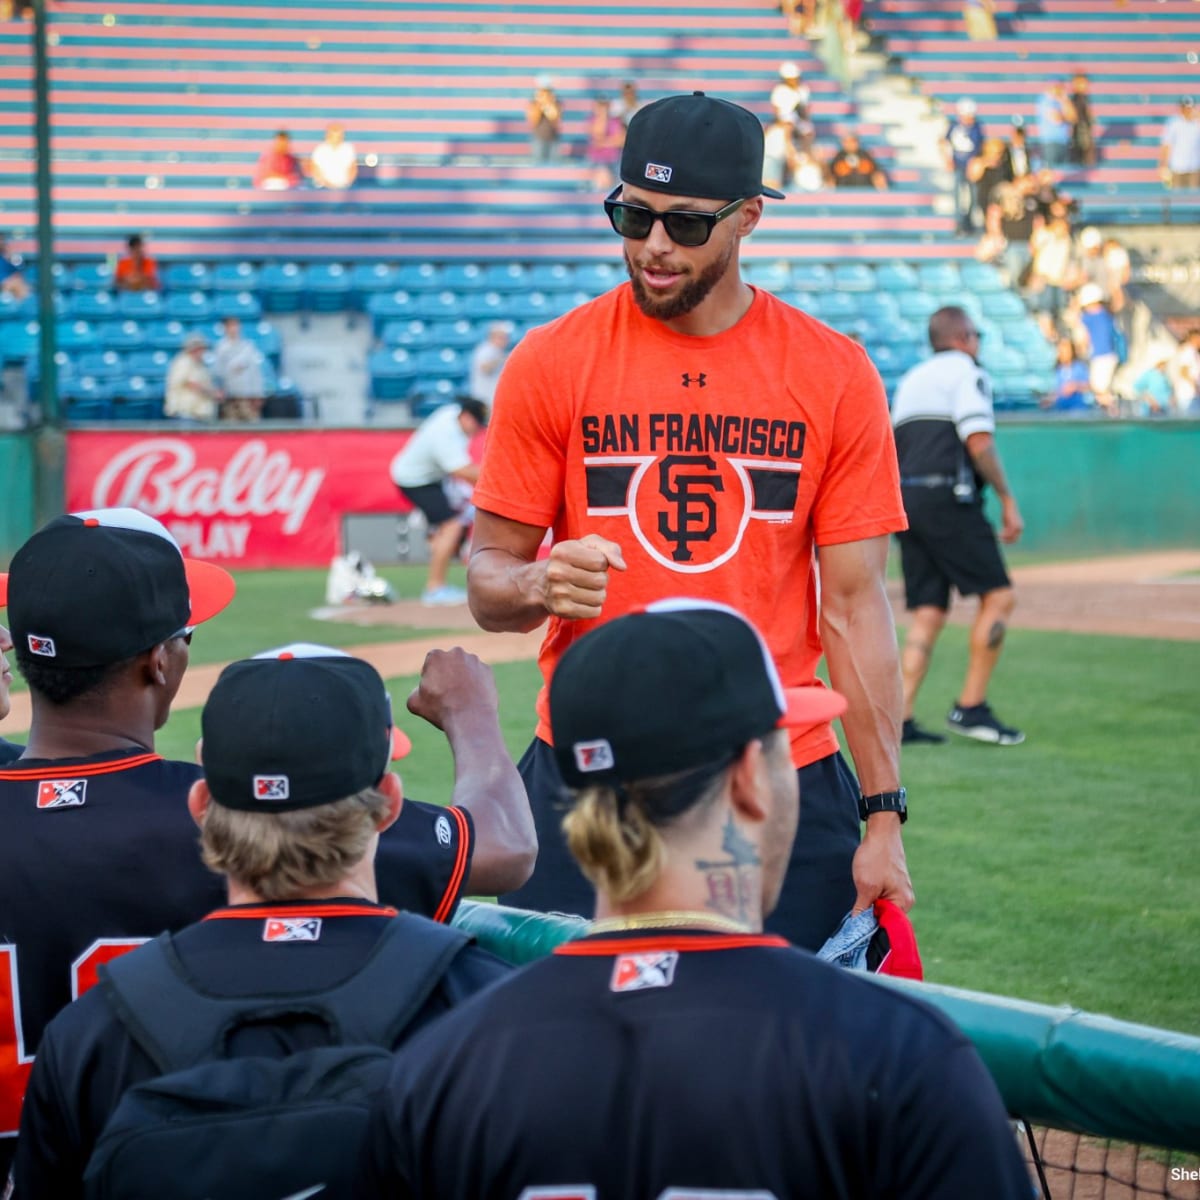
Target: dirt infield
pixel 1141 595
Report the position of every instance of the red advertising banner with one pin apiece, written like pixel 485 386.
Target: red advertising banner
pixel 251 498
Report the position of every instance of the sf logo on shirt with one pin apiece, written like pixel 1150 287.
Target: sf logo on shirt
pixel 691 483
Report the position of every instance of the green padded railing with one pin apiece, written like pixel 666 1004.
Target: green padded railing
pixel 1054 1066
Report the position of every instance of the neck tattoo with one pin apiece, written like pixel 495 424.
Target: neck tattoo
pixel 681 919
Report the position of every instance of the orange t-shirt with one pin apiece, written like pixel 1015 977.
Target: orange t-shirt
pixel 715 463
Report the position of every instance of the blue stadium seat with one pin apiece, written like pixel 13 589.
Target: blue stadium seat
pixel 91 277
pixel 440 361
pixel 552 277
pixel 837 306
pixel 918 306
pixel 18 341
pixel 281 287
pixel 235 277
pixel 102 364
pixel 895 277
pixel 506 277
pixel 598 277
pixel 243 305
pixel 898 332
pixel 116 335
pixel 980 278
pixel 811 277
pixel 266 337
pixel 390 306
pixel 165 335
pixel 443 305
pixel 456 335
pixel 85 388
pixel 78 336
pixel 432 394
pixel 187 306
pixel 64 367
pixel 484 306
pixel 462 277
pixel 419 277
pixel 148 364
pixel 853 277
pixel 528 306
pixel 563 302
pixel 369 279
pixel 1002 360
pixel 774 276
pixel 878 306
pixel 187 277
pixel 139 399
pixel 328 287
pixel 92 306
pixel 941 278
pixel 1001 305
pixel 884 358
pixel 392 373
pixel 412 334
pixel 79 409
pixel 140 306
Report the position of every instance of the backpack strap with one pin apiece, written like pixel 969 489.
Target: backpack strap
pixel 177 1025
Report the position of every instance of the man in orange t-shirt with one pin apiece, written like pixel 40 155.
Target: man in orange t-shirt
pixel 688 435
pixel 137 271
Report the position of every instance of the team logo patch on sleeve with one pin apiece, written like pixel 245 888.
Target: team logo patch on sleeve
pixel 292 929
pixel 62 793
pixel 441 829
pixel 271 787
pixel 594 756
pixel 44 647
pixel 659 173
pixel 636 972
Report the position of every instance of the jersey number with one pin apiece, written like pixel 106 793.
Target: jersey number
pixel 15 1064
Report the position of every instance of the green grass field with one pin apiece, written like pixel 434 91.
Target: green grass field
pixel 1062 871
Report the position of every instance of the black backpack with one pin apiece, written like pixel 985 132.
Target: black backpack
pixel 256 1128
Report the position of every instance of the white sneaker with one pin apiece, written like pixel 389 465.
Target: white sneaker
pixel 443 597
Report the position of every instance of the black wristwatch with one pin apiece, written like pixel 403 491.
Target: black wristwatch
pixel 896 802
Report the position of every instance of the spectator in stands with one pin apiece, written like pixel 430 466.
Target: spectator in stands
pixel 1071 390
pixel 1152 390
pixel 238 367
pixel 1179 156
pixel 1014 218
pixel 979 17
pixel 544 118
pixel 278 168
pixel 990 167
pixel 789 101
pixel 1116 259
pixel 1101 343
pixel 801 16
pixel 1054 273
pixel 1185 374
pixel 12 279
pixel 1055 118
pixel 963 141
pixel 1083 140
pixel 486 360
pixel 191 392
pixel 606 136
pixel 136 270
pixel 1018 152
pixel 854 167
pixel 334 163
pixel 780 156
pixel 439 453
pixel 627 103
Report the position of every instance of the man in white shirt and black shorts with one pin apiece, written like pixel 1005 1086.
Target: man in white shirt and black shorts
pixel 436 462
pixel 945 442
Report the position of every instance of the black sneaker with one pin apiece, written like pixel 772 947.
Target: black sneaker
pixel 913 732
pixel 980 723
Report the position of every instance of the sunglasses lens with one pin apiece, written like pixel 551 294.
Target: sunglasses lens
pixel 687 229
pixel 631 222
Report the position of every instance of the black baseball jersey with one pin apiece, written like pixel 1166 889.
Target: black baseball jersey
pixel 9 751
pixel 87 1058
pixel 658 1066
pixel 937 406
pixel 100 854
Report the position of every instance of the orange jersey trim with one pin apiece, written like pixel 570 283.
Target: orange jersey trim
pixel 60 771
pixel 682 941
pixel 258 912
pixel 446 907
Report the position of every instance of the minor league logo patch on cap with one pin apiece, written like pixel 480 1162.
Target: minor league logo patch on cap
pixel 636 972
pixel 43 646
pixel 594 756
pixel 271 787
pixel 441 829
pixel 292 929
pixel 62 793
pixel 659 173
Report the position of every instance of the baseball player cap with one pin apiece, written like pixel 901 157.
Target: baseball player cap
pixel 295 727
pixel 97 587
pixel 1090 293
pixel 670 687
pixel 696 145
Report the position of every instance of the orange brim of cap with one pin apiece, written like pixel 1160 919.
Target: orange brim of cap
pixel 210 589
pixel 401 746
pixel 811 706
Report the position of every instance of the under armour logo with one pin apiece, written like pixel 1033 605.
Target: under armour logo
pixel 700 380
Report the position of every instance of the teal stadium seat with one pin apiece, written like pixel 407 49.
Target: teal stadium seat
pixel 463 277
pixel 773 275
pixel 854 277
pixel 419 277
pixel 140 306
pixel 187 306
pixel 92 306
pixel 281 287
pixel 243 305
pixel 896 277
pixel 187 277
pixel 392 373
pixel 235 277
pixel 811 277
pixel 327 286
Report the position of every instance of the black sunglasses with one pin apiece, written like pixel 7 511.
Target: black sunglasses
pixel 684 228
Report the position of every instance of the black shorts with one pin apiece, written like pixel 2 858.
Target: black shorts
pixel 430 498
pixel 947 544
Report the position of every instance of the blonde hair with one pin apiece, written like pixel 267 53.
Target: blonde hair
pixel 283 855
pixel 617 840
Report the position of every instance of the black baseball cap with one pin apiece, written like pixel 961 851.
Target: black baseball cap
pixel 97 587
pixel 696 145
pixel 671 687
pixel 295 727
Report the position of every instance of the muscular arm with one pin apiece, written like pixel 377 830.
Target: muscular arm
pixel 457 693
pixel 858 635
pixel 510 588
pixel 982 449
